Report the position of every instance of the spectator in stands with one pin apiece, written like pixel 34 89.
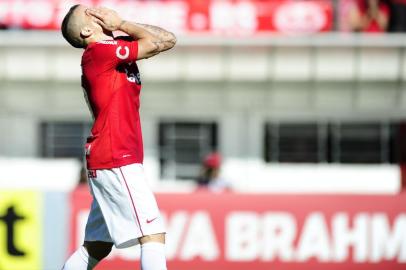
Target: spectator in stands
pixel 210 174
pixel 398 16
pixel 370 16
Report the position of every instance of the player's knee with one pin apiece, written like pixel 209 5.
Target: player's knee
pixel 98 250
pixel 159 237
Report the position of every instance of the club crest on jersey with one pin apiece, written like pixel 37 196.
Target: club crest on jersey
pixel 119 52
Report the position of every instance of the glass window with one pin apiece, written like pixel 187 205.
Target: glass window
pixel 398 143
pixel 296 142
pixel 355 142
pixel 64 139
pixel 361 143
pixel 183 145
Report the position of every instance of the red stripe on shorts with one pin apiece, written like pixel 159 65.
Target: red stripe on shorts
pixel 132 201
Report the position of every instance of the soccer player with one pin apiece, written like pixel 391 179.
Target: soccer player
pixel 124 211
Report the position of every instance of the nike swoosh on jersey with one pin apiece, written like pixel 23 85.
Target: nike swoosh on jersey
pixel 151 220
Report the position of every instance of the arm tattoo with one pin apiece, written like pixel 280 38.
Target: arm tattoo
pixel 161 46
pixel 157 31
pixel 161 39
pixel 161 34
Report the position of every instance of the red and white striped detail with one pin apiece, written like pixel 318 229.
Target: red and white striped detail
pixel 132 202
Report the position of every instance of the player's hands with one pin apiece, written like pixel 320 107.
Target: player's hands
pixel 107 18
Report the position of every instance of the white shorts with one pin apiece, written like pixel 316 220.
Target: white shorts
pixel 123 208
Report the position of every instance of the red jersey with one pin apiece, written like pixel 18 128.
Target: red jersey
pixel 111 81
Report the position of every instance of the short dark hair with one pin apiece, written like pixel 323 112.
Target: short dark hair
pixel 76 42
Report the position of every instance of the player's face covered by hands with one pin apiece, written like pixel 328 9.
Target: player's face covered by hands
pixel 108 19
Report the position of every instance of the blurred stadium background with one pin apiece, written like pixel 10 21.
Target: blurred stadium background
pixel 303 102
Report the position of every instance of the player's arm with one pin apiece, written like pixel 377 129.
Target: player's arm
pixel 151 40
pixel 165 40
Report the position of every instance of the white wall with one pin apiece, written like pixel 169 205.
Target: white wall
pixel 243 176
pixel 241 84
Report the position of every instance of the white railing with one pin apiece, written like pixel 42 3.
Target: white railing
pixel 54 38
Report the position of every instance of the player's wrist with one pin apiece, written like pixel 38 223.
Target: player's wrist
pixel 121 24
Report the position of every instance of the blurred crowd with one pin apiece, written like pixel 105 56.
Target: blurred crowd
pixel 377 16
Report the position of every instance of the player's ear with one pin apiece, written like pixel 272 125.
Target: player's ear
pixel 86 32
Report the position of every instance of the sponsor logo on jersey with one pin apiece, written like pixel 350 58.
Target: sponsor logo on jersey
pixel 133 75
pixel 151 220
pixel 119 52
pixel 108 42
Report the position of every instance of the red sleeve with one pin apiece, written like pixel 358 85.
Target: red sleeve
pixel 111 53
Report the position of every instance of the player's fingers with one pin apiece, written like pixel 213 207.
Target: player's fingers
pixel 107 12
pixel 98 21
pixel 101 23
pixel 103 10
pixel 95 13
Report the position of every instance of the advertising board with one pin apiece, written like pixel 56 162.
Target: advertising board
pixel 261 231
pixel 221 17
pixel 21 220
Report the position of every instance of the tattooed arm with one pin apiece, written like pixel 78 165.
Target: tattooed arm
pixel 156 39
pixel 166 38
pixel 151 39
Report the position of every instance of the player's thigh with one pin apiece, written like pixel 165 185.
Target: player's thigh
pixel 159 237
pixel 142 200
pixel 130 210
